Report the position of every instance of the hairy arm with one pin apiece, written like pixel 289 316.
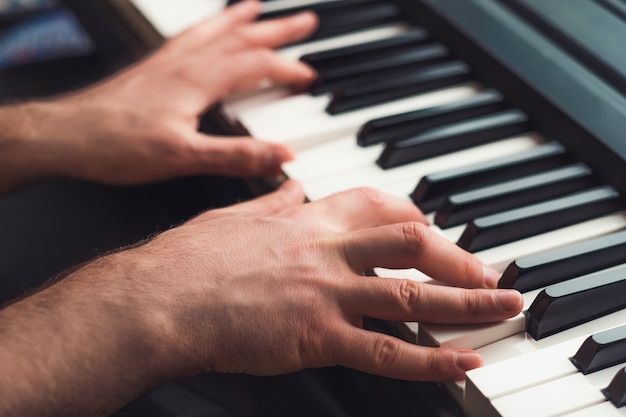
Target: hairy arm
pixel 84 346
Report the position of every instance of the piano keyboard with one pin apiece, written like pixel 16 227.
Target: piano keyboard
pixel 396 110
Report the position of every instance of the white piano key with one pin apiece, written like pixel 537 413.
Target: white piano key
pixel 301 120
pixel 483 385
pixel 349 39
pixel 605 409
pixel 406 177
pixel 555 398
pixel 330 159
pixel 170 17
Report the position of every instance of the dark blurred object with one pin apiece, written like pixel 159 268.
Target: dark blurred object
pixel 49 47
pixel 51 35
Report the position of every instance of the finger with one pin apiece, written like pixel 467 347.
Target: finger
pixel 391 357
pixel 289 194
pixel 406 300
pixel 414 245
pixel 241 157
pixel 365 207
pixel 245 70
pixel 278 32
pixel 204 32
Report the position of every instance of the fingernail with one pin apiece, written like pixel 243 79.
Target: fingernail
pixel 282 154
pixel 249 6
pixel 467 360
pixel 303 18
pixel 491 275
pixel 308 73
pixel 509 300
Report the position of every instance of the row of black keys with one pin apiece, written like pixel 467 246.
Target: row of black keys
pixel 501 200
pixel 368 74
pixel 528 193
pixel 377 72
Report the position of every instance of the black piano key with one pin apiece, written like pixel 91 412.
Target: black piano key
pixel 419 81
pixel 361 52
pixel 570 303
pixel 321 8
pixel 601 350
pixel 432 189
pixel 231 2
pixel 507 226
pixel 565 263
pixel 402 126
pixel 454 137
pixel 358 18
pixel 377 69
pixel 340 17
pixel 616 391
pixel 462 207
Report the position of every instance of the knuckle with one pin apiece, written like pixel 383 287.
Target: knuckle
pixel 370 196
pixel 431 362
pixel 265 55
pixel 416 235
pixel 472 302
pixel 409 294
pixel 386 352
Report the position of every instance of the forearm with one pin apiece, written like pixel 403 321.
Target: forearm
pixel 81 347
pixel 25 154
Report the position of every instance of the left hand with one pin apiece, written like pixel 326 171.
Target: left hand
pixel 142 124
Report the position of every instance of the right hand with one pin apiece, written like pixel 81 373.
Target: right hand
pixel 273 286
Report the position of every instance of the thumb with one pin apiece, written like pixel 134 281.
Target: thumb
pixel 240 157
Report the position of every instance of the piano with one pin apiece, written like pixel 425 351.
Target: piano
pixel 505 121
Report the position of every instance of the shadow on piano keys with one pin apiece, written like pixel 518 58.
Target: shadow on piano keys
pixel 397 109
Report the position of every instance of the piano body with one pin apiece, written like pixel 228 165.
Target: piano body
pixel 505 120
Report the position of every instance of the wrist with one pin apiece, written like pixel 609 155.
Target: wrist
pixel 27 153
pixel 131 298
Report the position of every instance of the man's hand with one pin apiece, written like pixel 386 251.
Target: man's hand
pixel 265 287
pixel 269 289
pixel 141 125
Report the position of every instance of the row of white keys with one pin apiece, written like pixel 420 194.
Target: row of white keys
pixel 604 409
pixel 361 168
pixel 556 398
pixel 530 361
pixel 302 119
pixel 170 17
pixel 484 385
